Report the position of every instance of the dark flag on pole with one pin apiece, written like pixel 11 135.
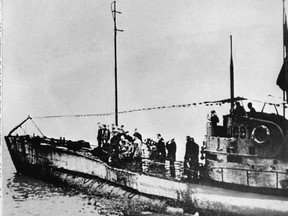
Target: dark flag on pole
pixel 282 80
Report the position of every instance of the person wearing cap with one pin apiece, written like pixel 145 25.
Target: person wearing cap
pixel 122 130
pixel 137 134
pixel 191 158
pixel 214 121
pixel 100 135
pixel 239 110
pixel 105 135
pixel 171 150
pixel 171 156
pixel 161 148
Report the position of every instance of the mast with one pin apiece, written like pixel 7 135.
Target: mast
pixel 114 12
pixel 284 52
pixel 231 77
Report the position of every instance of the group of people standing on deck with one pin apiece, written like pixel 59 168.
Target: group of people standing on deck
pixel 118 141
pixel 191 158
pixel 240 111
pixel 237 111
pixel 164 151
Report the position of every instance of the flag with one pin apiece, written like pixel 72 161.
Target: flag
pixel 282 80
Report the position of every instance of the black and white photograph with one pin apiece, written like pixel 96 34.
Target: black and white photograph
pixel 144 107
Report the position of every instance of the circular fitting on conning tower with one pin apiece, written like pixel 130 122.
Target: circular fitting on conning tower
pixel 260 134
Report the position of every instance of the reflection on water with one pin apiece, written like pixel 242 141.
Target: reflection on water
pixel 25 188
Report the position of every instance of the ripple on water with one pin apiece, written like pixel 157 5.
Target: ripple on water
pixel 26 196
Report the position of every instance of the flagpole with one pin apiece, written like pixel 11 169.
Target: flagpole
pixel 284 51
pixel 283 18
pixel 231 76
pixel 282 80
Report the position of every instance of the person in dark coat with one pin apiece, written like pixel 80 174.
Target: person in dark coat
pixel 214 118
pixel 138 135
pixel 122 130
pixel 239 110
pixel 161 148
pixel 191 158
pixel 251 108
pixel 100 135
pixel 105 135
pixel 171 156
pixel 171 150
pixel 214 121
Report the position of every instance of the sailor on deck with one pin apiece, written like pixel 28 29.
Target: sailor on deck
pixel 100 135
pixel 171 156
pixel 239 110
pixel 191 158
pixel 214 121
pixel 252 110
pixel 137 148
pixel 137 134
pixel 105 135
pixel 161 148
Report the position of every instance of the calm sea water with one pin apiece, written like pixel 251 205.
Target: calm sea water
pixel 26 196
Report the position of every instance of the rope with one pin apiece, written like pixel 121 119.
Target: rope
pixel 207 103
